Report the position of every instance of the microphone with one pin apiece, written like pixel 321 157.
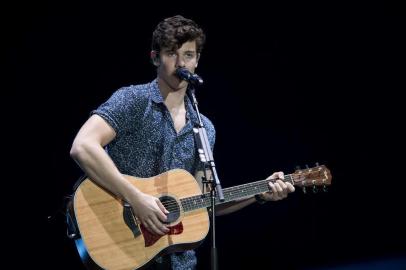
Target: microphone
pixel 185 74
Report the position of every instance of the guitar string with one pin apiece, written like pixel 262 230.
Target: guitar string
pixel 191 203
pixel 243 187
pixel 246 189
pixel 250 189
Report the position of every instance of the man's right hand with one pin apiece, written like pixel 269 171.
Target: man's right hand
pixel 151 213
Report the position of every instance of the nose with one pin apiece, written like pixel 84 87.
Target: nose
pixel 180 62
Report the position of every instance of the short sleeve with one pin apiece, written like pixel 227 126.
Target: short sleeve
pixel 121 111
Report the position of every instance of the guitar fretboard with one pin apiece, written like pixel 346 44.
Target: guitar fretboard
pixel 230 194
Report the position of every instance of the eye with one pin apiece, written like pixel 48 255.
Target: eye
pixel 189 55
pixel 171 54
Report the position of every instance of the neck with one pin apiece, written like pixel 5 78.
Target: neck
pixel 173 98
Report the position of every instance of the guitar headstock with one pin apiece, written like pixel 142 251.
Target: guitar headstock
pixel 312 177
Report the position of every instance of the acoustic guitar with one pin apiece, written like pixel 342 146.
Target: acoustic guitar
pixel 110 237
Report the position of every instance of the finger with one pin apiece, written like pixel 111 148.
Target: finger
pixel 284 187
pixel 281 175
pixel 159 225
pixel 151 227
pixel 154 228
pixel 290 187
pixel 273 176
pixel 281 193
pixel 282 184
pixel 273 187
pixel 162 207
pixel 278 188
pixel 277 175
pixel 274 195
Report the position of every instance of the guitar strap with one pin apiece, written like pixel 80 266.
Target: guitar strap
pixel 71 224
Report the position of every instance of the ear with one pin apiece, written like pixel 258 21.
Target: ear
pixel 155 58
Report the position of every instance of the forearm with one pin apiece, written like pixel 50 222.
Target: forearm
pixel 99 167
pixel 231 207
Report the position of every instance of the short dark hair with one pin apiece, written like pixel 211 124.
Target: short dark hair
pixel 172 32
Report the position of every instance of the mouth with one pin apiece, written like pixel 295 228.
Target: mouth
pixel 179 80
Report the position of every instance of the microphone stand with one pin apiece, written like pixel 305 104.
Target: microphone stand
pixel 206 157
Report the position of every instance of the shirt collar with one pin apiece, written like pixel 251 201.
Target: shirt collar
pixel 155 93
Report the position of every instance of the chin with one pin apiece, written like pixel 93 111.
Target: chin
pixel 174 83
pixel 179 85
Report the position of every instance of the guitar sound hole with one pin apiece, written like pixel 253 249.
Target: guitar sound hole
pixel 172 206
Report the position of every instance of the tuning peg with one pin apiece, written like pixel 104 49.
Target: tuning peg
pixel 304 190
pixel 325 189
pixel 315 189
pixel 307 166
pixel 317 164
pixel 297 167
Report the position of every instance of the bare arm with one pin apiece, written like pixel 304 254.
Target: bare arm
pixel 87 150
pixel 230 207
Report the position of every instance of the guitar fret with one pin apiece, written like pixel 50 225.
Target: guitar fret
pixel 230 194
pixel 195 202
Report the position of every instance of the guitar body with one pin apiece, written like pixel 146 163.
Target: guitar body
pixel 111 235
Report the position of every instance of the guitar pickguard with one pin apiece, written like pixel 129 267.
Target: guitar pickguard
pixel 151 238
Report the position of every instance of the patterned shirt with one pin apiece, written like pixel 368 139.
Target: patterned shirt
pixel 146 142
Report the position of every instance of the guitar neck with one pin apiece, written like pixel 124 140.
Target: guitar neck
pixel 230 194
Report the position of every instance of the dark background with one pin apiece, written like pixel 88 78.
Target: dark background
pixel 285 85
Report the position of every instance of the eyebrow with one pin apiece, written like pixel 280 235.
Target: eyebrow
pixel 170 50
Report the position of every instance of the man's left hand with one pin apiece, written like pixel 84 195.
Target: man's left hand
pixel 279 188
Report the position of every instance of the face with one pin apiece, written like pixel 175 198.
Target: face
pixel 169 60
